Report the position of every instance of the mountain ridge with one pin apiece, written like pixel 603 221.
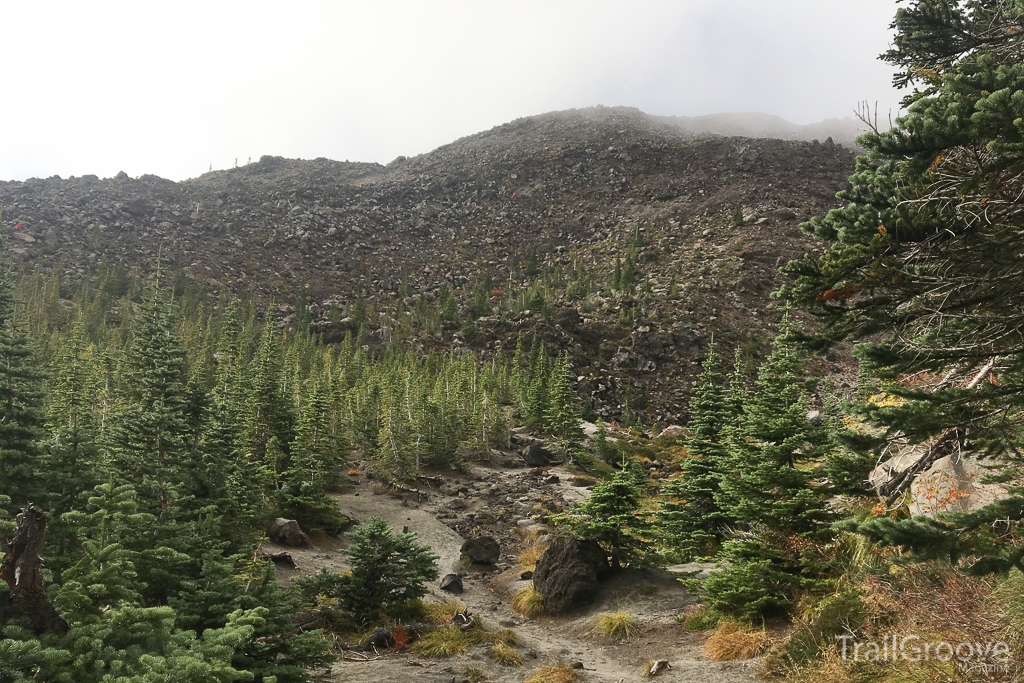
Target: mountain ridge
pixel 576 192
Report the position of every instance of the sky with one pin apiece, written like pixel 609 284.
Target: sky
pixel 175 88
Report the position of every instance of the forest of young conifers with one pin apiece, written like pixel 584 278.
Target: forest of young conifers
pixel 161 431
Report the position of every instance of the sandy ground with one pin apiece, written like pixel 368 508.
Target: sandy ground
pixel 654 598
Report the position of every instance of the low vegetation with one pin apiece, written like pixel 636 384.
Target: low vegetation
pixel 699 618
pixel 529 603
pixel 505 654
pixel 563 673
pixel 616 625
pixel 733 640
pixel 444 642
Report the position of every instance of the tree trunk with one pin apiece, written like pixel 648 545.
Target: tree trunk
pixel 22 568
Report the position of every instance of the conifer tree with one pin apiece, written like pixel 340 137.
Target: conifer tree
pixel 537 389
pixel 314 466
pixel 562 415
pixel 21 407
pixel 689 516
pixel 604 449
pixel 266 413
pixel 388 571
pixel 772 441
pixel 151 431
pixel 395 458
pixel 923 261
pixel 611 516
pixel 71 452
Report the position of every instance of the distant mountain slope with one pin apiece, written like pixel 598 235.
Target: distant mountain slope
pixel 753 125
pixel 574 190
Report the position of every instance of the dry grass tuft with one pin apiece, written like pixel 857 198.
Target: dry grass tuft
pixel 616 625
pixel 531 548
pixel 505 655
pixel 444 642
pixel 505 636
pixel 529 603
pixel 441 613
pixel 554 674
pixel 474 675
pixel 734 640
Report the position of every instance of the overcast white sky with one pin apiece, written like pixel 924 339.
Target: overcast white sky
pixel 173 87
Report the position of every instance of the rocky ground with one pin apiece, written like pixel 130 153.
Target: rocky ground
pixel 500 499
pixel 575 189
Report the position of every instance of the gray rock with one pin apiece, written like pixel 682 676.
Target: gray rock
pixel 481 550
pixel 568 574
pixel 287 532
pixel 536 455
pixel 451 583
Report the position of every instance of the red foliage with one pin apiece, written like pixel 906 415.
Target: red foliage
pixel 400 636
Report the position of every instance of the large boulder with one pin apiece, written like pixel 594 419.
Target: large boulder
pixel 536 455
pixel 481 550
pixel 568 574
pixel 287 532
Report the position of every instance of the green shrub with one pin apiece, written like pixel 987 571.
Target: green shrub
pixel 834 616
pixel 702 619
pixel 754 585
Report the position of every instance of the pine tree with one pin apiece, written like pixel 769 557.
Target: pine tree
pixel 923 262
pixel 611 516
pixel 604 448
pixel 689 516
pixel 767 482
pixel 562 415
pixel 21 403
pixel 388 571
pixel 151 432
pixel 314 466
pixel 395 456
pixel 537 389
pixel 265 412
pixel 71 453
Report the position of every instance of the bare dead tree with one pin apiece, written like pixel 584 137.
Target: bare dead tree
pixel 24 600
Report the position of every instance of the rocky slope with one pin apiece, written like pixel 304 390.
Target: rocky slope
pixel 574 190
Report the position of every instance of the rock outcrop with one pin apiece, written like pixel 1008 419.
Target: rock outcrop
pixel 568 574
pixel 287 532
pixel 481 550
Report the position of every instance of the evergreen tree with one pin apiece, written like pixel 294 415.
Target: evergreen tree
pixel 388 571
pixel 537 389
pixel 604 448
pixel 71 452
pixel 562 415
pixel 314 466
pixel 151 432
pixel 768 482
pixel 689 517
pixel 611 516
pixel 266 413
pixel 21 407
pixel 923 263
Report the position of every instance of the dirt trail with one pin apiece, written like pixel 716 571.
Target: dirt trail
pixel 653 597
